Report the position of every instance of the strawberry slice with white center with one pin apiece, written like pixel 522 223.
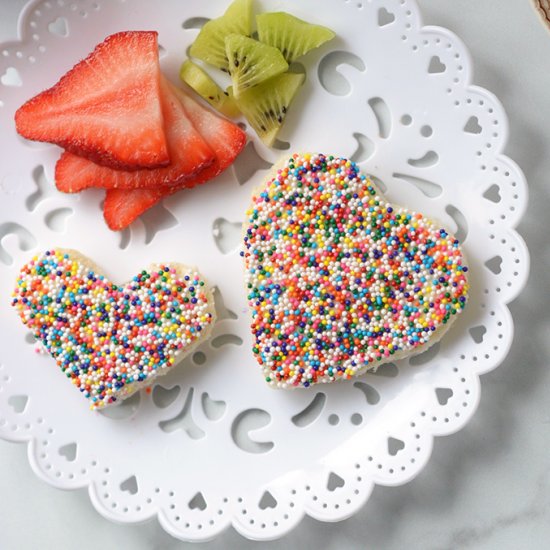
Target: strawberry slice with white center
pixel 188 151
pixel 107 107
pixel 226 140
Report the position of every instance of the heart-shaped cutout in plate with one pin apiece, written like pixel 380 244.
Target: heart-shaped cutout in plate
pixel 339 279
pixel 111 340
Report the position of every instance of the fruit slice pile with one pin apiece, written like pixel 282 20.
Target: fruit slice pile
pixel 263 85
pixel 92 110
pixel 225 139
pixel 126 129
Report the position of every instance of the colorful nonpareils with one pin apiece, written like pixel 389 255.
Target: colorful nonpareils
pixel 111 340
pixel 339 280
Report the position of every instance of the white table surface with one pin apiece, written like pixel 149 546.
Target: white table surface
pixel 487 486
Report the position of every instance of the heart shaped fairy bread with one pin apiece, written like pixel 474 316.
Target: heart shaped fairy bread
pixel 340 280
pixel 111 340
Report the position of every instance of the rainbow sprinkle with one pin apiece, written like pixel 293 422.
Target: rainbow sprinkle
pixel 108 339
pixel 338 279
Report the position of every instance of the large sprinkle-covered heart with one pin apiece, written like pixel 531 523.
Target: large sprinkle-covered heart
pixel 339 280
pixel 111 340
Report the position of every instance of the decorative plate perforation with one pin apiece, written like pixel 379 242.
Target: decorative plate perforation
pixel 211 445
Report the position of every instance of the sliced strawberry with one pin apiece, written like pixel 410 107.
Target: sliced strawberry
pixel 225 139
pixel 107 107
pixel 188 155
pixel 122 207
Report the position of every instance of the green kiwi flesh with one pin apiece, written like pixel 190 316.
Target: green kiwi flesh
pixel 251 62
pixel 265 106
pixel 209 46
pixel 195 77
pixel 292 36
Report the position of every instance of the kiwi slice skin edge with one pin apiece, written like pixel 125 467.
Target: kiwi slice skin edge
pixel 198 79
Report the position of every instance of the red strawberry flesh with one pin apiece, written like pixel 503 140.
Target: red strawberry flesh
pixel 226 140
pixel 188 153
pixel 107 107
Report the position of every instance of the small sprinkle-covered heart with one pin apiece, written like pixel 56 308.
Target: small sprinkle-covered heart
pixel 340 280
pixel 111 340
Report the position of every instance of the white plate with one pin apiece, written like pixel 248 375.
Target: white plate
pixel 212 445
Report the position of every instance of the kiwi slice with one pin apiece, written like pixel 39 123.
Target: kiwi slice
pixel 292 36
pixel 209 46
pixel 265 106
pixel 195 77
pixel 251 62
